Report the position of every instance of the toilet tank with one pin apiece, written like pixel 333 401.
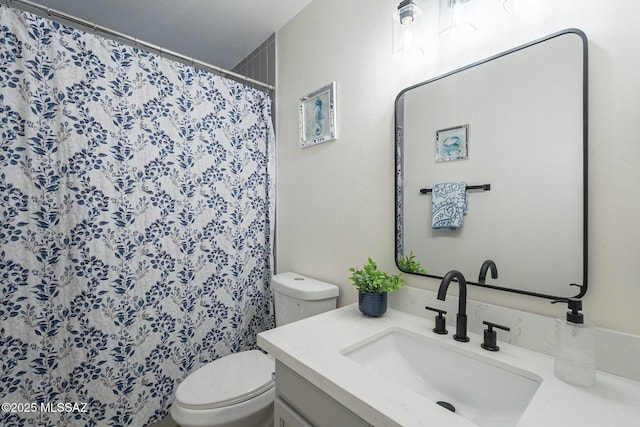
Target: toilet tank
pixel 296 297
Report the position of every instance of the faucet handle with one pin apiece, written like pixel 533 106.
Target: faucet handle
pixel 441 325
pixel 491 337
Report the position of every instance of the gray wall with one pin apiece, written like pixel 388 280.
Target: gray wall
pixel 261 65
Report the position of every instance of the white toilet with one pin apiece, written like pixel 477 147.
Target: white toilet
pixel 238 390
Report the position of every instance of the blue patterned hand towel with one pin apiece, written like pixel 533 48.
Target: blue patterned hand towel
pixel 449 205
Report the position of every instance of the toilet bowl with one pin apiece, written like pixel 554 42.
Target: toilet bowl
pixel 235 390
pixel 238 390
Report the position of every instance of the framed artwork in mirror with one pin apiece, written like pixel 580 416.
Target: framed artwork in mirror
pixel 318 116
pixel 452 144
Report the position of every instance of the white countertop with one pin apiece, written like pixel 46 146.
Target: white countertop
pixel 312 347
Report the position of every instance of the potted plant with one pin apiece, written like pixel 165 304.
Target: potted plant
pixel 409 264
pixel 373 285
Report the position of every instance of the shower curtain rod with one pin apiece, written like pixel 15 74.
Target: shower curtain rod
pixel 31 6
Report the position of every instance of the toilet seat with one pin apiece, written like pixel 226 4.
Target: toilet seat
pixel 227 381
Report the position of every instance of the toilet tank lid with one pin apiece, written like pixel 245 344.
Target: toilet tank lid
pixel 302 287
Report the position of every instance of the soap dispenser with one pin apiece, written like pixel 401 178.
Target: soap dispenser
pixel 575 347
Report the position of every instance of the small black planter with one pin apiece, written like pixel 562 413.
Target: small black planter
pixel 372 304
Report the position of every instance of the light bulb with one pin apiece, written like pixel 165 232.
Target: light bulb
pixel 407 19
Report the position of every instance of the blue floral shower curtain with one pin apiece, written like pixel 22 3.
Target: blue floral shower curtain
pixel 137 213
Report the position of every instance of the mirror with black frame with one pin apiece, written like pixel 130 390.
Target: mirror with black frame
pixel 513 129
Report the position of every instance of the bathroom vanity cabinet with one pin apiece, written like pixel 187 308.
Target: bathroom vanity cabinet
pixel 301 404
pixel 319 382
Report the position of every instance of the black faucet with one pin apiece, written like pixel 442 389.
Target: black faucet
pixel 483 271
pixel 461 317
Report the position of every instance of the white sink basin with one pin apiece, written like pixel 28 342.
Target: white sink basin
pixel 482 390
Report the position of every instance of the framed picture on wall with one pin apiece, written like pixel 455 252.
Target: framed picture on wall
pixel 452 144
pixel 318 116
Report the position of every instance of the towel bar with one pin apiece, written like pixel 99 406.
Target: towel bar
pixel 483 187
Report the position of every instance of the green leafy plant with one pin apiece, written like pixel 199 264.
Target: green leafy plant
pixel 409 264
pixel 370 279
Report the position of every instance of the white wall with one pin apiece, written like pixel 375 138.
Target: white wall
pixel 335 200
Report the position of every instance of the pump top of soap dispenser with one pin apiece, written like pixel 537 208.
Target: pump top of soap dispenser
pixel 575 305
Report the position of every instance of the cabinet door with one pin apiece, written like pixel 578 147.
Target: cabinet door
pixel 316 407
pixel 285 416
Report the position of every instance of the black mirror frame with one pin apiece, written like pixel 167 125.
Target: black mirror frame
pixel 585 124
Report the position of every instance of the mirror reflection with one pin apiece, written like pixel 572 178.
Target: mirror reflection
pixel 491 166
